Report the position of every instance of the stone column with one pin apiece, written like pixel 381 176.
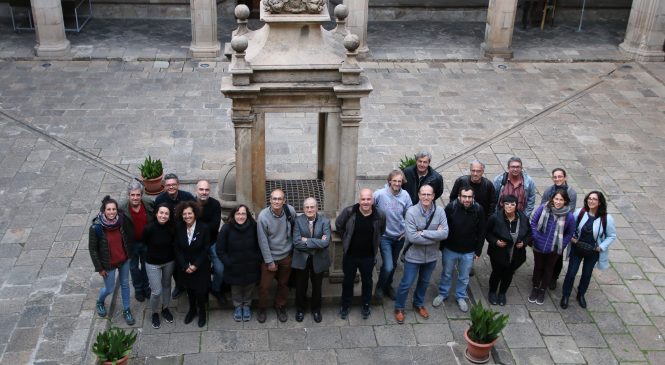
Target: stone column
pixel 258 170
pixel 204 29
pixel 49 28
pixel 348 151
pixel 645 34
pixel 243 124
pixel 356 23
pixel 331 158
pixel 499 29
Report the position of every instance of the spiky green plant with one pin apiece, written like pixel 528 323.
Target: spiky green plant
pixel 407 161
pixel 486 324
pixel 151 169
pixel 113 344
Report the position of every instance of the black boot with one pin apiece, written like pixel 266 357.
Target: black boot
pixel 581 300
pixel 564 302
pixel 202 315
pixel 191 313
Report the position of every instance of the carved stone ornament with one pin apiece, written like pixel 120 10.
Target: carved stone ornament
pixel 294 6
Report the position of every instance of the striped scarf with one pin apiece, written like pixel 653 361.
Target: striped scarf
pixel 560 215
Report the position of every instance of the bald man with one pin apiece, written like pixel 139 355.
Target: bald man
pixel 360 227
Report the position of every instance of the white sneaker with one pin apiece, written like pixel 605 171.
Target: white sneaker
pixel 461 303
pixel 438 300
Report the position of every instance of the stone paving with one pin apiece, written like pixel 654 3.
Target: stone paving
pixel 75 131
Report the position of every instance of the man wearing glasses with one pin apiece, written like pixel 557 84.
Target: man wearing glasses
pixel 466 225
pixel 517 182
pixel 393 201
pixel 275 231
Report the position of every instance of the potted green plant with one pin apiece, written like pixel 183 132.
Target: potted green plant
pixel 114 345
pixel 151 173
pixel 407 161
pixel 486 325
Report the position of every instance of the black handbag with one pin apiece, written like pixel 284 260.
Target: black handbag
pixel 584 249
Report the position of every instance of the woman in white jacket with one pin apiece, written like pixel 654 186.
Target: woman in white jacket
pixel 595 227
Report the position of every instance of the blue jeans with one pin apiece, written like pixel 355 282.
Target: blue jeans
pixel 573 266
pixel 464 263
pixel 424 272
pixel 390 248
pixel 109 284
pixel 350 265
pixel 139 274
pixel 217 269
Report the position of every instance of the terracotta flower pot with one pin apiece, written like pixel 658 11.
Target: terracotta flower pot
pixel 122 361
pixel 477 353
pixel 153 186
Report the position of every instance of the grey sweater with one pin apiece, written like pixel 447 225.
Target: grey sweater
pixel 424 245
pixel 275 234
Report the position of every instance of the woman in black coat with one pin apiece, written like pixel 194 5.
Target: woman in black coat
pixel 238 248
pixel 191 245
pixel 508 232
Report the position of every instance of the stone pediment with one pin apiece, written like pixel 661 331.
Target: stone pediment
pixel 294 6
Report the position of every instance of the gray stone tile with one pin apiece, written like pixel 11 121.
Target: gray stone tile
pixel 287 339
pixel 395 335
pixel 315 357
pixel 617 293
pixel 355 356
pixel 647 337
pixel 522 335
pixel 641 287
pixel 323 338
pixel 235 358
pixel 609 323
pixel 653 305
pixel 432 334
pixel 632 313
pixel 624 348
pixel 273 357
pixel 550 323
pixel 391 355
pixel 23 339
pixel 358 336
pixel 594 356
pixel 587 335
pixel 563 350
pixel 528 356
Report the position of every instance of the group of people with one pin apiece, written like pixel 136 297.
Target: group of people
pixel 178 235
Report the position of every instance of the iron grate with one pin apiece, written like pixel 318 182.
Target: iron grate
pixel 297 191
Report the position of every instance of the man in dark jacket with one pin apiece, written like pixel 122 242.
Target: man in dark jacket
pixel 211 215
pixel 138 212
pixel 483 189
pixel 360 227
pixel 466 222
pixel 311 238
pixel 420 174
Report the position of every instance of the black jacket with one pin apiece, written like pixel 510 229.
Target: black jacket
pixel 466 227
pixel 211 214
pixel 483 193
pixel 195 254
pixel 346 221
pixel 497 229
pixel 238 248
pixel 412 184
pixel 98 245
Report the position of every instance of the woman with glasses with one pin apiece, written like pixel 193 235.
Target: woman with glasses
pixel 595 230
pixel 507 233
pixel 238 248
pixel 552 227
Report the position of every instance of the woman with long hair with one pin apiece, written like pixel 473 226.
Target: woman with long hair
pixel 595 230
pixel 508 232
pixel 238 248
pixel 160 260
pixel 109 243
pixel 191 245
pixel 552 227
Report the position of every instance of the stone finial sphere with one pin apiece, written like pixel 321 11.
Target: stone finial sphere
pixel 239 43
pixel 341 11
pixel 241 12
pixel 351 42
